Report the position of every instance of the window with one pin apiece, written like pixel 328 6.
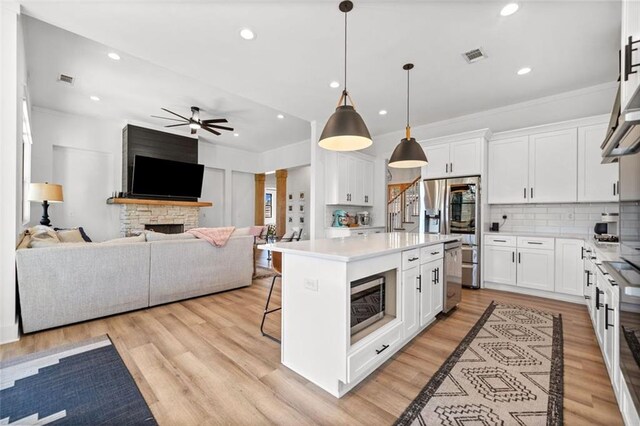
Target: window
pixel 26 162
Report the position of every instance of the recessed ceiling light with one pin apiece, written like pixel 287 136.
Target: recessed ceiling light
pixel 509 9
pixel 280 116
pixel 236 134
pixel 94 98
pixel 114 56
pixel 334 84
pixel 247 34
pixel 523 71
pixel 382 112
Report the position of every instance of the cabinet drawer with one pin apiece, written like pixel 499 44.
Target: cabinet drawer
pixel 410 258
pixel 500 240
pixel 535 242
pixel 375 351
pixel 429 253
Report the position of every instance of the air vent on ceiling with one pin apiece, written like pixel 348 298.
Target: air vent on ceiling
pixel 65 79
pixel 474 55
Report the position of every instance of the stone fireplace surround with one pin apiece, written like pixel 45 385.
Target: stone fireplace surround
pixel 136 215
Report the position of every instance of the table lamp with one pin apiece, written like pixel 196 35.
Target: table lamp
pixel 46 193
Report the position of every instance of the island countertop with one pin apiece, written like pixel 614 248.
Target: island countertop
pixel 349 249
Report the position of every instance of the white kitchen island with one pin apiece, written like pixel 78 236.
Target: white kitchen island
pixel 317 281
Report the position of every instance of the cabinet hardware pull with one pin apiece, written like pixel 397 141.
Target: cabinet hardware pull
pixel 525 193
pixel 433 280
pixel 588 276
pixel 446 167
pixel 433 253
pixel 438 274
pixel 519 258
pixel 500 241
pixel 614 188
pixel 531 192
pixel 582 253
pixel 612 282
pixel 598 304
pixel 607 324
pixel 534 242
pixel 413 259
pixel 587 297
pixel 378 351
pixel 450 167
pixel 513 257
pixel 628 53
pixel 419 283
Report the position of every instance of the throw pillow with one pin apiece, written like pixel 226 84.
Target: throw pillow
pixel 23 240
pixel 126 240
pixel 70 236
pixel 85 237
pixel 159 236
pixel 42 236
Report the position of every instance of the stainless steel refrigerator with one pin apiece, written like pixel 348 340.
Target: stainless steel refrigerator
pixel 452 206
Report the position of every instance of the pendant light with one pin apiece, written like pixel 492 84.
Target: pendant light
pixel 345 130
pixel 408 154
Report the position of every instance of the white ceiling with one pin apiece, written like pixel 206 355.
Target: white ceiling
pixel 298 50
pixel 132 89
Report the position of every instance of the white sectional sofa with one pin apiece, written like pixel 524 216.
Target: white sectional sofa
pixel 68 283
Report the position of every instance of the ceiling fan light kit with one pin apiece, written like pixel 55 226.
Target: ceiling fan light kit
pixel 408 153
pixel 345 130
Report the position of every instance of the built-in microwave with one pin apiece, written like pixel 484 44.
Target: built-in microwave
pixel 367 302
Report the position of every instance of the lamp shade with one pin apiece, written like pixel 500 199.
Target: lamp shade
pixel 345 131
pixel 50 192
pixel 408 154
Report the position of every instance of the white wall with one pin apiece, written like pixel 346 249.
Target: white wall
pixel 286 157
pixel 83 154
pixel 213 187
pixel 243 199
pixel 298 181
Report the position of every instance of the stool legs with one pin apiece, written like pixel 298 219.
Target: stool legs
pixel 267 311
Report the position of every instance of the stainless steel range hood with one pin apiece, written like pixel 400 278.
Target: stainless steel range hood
pixel 623 136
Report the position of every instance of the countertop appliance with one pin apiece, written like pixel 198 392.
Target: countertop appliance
pixel 452 275
pixel 364 219
pixel 452 206
pixel 340 218
pixel 627 274
pixel 367 302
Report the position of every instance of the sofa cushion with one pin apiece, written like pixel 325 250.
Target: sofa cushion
pixel 159 236
pixel 85 237
pixel 42 236
pixel 125 240
pixel 70 236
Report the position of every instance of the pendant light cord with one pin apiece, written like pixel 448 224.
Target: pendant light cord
pixel 408 71
pixel 345 58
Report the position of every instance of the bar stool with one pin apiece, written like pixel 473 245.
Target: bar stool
pixel 276 265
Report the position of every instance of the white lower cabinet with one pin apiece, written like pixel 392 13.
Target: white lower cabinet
pixel 535 269
pixel 499 264
pixel 422 288
pixel 361 361
pixel 569 266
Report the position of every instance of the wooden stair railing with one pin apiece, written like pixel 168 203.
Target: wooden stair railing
pixel 404 208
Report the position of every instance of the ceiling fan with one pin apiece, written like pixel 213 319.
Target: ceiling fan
pixel 195 123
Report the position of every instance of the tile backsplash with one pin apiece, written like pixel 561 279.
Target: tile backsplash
pixel 550 218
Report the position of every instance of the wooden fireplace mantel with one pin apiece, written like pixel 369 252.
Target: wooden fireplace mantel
pixel 143 201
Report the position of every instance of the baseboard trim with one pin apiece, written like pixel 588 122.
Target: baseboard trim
pixel 539 293
pixel 9 333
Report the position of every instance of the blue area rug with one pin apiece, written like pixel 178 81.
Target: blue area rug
pixel 81 384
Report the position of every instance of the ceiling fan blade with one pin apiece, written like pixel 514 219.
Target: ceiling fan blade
pixel 177 115
pixel 177 125
pixel 218 127
pixel 165 118
pixel 215 120
pixel 211 130
pixel 194 131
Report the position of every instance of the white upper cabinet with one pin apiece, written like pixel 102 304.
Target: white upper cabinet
pixel 596 181
pixel 629 82
pixel 553 167
pixel 508 171
pixel 462 158
pixel 538 168
pixel 349 180
pixel 438 158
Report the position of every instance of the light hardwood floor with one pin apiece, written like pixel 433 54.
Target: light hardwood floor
pixel 203 361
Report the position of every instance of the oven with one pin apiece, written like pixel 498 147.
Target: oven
pixel 367 302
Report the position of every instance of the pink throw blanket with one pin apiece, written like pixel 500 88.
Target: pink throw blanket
pixel 216 236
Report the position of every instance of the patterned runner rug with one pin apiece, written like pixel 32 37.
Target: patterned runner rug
pixel 506 371
pixel 81 384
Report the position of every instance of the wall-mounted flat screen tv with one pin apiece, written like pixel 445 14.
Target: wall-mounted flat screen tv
pixel 153 177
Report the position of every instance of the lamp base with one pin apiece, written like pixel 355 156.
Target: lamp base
pixel 45 214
